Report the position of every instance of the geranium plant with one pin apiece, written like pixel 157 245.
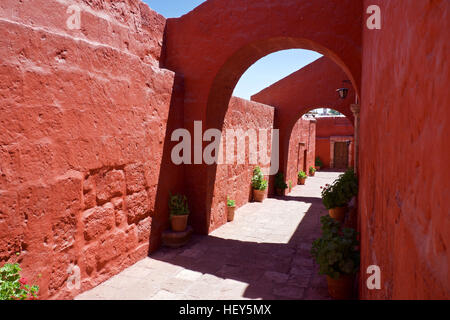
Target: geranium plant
pixel 312 170
pixel 318 162
pixel 302 175
pixel 258 180
pixel 178 205
pixel 337 250
pixel 280 183
pixel 341 191
pixel 231 203
pixel 15 287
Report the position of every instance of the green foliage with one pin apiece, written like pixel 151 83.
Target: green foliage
pixel 279 181
pixel 290 184
pixel 341 191
pixel 318 162
pixel 178 205
pixel 231 203
pixel 302 175
pixel 13 287
pixel 337 251
pixel 312 170
pixel 258 180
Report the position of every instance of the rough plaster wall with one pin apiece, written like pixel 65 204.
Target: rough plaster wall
pixel 304 131
pixel 405 125
pixel 329 127
pixel 83 117
pixel 234 180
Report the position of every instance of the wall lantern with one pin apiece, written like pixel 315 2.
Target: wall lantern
pixel 343 92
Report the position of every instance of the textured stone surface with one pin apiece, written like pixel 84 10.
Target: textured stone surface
pixel 234 180
pixel 262 254
pixel 405 125
pixel 83 117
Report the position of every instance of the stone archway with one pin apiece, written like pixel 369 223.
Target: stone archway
pixel 212 56
pixel 308 88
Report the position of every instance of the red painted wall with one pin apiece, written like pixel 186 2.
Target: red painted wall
pixel 304 132
pixel 234 180
pixel 328 127
pixel 212 57
pixel 405 125
pixel 83 116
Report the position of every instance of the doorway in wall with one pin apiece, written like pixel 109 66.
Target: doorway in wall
pixel 341 151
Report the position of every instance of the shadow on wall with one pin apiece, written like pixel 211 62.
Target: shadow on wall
pixel 171 176
pixel 270 270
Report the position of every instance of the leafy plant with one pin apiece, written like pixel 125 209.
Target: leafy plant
pixel 13 286
pixel 337 250
pixel 341 191
pixel 258 180
pixel 312 170
pixel 231 203
pixel 290 184
pixel 318 162
pixel 279 181
pixel 178 205
pixel 302 175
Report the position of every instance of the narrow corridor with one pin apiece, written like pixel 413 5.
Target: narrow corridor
pixel 262 254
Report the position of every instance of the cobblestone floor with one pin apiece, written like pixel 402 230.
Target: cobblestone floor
pixel 262 254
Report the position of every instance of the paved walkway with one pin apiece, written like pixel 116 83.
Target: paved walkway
pixel 262 254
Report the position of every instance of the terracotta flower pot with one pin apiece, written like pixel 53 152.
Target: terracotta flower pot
pixel 312 174
pixel 258 195
pixel 338 213
pixel 230 213
pixel 279 192
pixel 301 181
pixel 179 223
pixel 317 168
pixel 342 288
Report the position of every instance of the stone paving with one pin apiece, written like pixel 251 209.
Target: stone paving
pixel 262 254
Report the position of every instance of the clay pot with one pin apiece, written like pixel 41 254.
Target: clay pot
pixel 179 223
pixel 301 181
pixel 230 213
pixel 312 174
pixel 317 168
pixel 338 213
pixel 279 192
pixel 342 288
pixel 258 195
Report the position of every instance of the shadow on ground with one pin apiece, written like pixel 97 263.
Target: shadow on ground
pixel 271 270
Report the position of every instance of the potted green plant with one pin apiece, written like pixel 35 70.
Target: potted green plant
pixel 337 254
pixel 259 185
pixel 312 171
pixel 231 208
pixel 179 212
pixel 302 177
pixel 280 184
pixel 318 163
pixel 15 287
pixel 336 196
pixel 290 186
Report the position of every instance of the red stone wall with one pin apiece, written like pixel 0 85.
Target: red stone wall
pixel 405 125
pixel 304 132
pixel 328 127
pixel 234 180
pixel 83 117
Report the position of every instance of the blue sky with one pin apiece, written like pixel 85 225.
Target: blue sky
pixel 264 72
